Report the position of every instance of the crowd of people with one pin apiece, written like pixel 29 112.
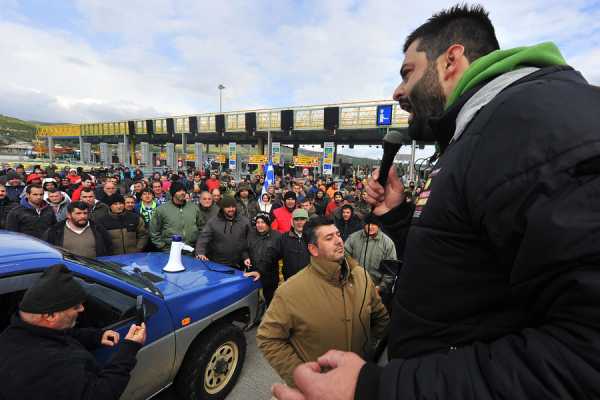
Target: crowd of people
pixel 242 223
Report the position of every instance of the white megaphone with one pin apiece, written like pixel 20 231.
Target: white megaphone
pixel 175 264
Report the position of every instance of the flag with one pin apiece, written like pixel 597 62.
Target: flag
pixel 269 177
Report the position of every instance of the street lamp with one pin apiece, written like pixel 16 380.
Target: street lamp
pixel 221 87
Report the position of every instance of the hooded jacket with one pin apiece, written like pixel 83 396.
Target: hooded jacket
pixel 378 248
pixel 29 220
pixel 60 209
pixel 347 228
pixel 498 296
pixel 170 219
pixel 225 241
pixel 247 208
pixel 316 311
pixel 260 248
pixel 282 219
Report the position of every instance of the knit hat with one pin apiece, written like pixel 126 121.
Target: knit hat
pixel 56 290
pixel 266 217
pixel 114 198
pixel 227 201
pixel 176 187
pixel 289 195
pixel 33 177
pixel 300 213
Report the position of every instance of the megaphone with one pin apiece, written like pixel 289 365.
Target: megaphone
pixel 175 264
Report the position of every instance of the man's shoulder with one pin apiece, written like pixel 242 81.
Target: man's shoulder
pixel 298 285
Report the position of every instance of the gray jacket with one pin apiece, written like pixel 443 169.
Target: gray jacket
pixel 381 247
pixel 225 241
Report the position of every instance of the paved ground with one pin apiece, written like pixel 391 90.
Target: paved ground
pixel 254 382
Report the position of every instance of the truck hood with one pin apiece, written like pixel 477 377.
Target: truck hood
pixel 198 275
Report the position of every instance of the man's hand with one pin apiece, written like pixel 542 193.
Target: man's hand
pixel 255 275
pixel 388 199
pixel 202 257
pixel 248 263
pixel 339 383
pixel 110 338
pixel 137 333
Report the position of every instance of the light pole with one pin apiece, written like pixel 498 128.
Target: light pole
pixel 221 87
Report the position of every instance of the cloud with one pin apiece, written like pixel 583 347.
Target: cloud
pixel 142 58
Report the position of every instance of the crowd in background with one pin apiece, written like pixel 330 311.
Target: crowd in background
pixel 242 223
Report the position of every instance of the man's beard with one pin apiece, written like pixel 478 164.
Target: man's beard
pixel 427 101
pixel 80 224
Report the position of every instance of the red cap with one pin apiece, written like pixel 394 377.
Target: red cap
pixel 33 177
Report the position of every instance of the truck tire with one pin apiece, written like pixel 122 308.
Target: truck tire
pixel 213 365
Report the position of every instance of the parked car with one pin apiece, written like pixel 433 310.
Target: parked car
pixel 195 318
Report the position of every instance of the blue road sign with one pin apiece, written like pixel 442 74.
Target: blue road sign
pixel 384 115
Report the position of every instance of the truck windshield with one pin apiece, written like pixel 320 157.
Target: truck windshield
pixel 113 269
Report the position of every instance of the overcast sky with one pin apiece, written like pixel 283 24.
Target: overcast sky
pixel 95 60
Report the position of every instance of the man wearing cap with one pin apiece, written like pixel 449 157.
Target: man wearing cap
pixel 33 215
pixel 283 215
pixel 261 242
pixel 14 186
pixel 127 230
pixel 224 237
pixel 43 355
pixel 292 246
pixel 176 217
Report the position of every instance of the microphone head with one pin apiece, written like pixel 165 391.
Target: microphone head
pixel 397 137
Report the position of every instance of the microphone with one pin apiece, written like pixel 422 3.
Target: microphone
pixel 392 142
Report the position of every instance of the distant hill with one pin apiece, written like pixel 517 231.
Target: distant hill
pixel 13 129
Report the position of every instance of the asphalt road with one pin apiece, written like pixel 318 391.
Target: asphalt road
pixel 255 380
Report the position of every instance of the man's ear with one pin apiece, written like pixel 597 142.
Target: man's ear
pixel 453 62
pixel 313 250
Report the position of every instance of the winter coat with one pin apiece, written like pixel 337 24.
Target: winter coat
pixel 209 212
pixel 379 248
pixel 282 219
pixel 316 311
pixel 246 208
pixel 293 249
pixel 14 192
pixel 5 206
pixel 225 241
pixel 98 211
pixel 347 228
pixel 498 296
pixel 30 221
pixel 169 220
pixel 55 235
pixel 46 364
pixel 127 231
pixel 260 249
pixel 321 205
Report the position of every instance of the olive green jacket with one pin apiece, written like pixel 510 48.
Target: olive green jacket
pixel 169 220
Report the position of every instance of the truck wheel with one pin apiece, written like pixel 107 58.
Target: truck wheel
pixel 213 364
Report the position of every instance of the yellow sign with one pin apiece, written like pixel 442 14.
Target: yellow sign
pixel 306 161
pixel 59 130
pixel 220 158
pixel 257 159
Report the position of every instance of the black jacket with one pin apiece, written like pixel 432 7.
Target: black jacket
pixel 347 228
pixel 260 248
pixel 25 219
pixel 500 290
pixel 225 241
pixel 294 252
pixel 55 235
pixel 39 363
pixel 5 206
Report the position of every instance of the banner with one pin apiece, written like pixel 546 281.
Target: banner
pixel 257 159
pixel 276 153
pixel 306 161
pixel 232 156
pixel 220 158
pixel 328 149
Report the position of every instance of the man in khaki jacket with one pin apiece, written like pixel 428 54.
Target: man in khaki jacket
pixel 318 308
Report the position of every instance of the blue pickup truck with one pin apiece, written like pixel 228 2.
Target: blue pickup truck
pixel 195 318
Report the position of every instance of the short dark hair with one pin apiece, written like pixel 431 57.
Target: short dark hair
pixel 33 186
pixel 87 190
pixel 53 190
pixel 310 229
pixel 467 25
pixel 147 190
pixel 80 205
pixel 348 207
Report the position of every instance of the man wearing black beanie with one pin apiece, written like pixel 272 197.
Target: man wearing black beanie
pixel 42 355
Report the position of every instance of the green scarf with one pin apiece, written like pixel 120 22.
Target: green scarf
pixel 501 61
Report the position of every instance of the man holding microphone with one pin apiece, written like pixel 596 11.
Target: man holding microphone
pixel 499 293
